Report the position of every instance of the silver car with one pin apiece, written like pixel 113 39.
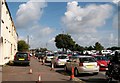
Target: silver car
pixel 82 64
pixel 60 60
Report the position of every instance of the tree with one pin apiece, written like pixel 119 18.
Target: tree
pixel 90 48
pixel 98 46
pixel 22 46
pixel 64 41
pixel 113 48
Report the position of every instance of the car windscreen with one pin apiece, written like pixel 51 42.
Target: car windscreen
pixel 22 55
pixel 62 57
pixel 87 59
pixel 101 58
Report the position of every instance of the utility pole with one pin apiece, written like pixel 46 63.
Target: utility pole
pixel 28 40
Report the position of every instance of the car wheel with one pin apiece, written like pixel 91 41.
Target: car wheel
pixel 65 68
pixel 109 79
pixel 76 72
pixel 55 65
pixel 96 73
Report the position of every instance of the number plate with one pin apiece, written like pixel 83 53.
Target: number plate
pixel 89 66
pixel 21 59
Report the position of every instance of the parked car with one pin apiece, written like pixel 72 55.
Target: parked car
pixel 40 55
pixel 60 60
pixel 22 58
pixel 49 57
pixel 82 64
pixel 102 62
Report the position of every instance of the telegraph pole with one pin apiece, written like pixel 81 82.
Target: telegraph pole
pixel 28 40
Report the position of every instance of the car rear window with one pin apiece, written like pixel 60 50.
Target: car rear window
pixel 22 55
pixel 101 58
pixel 50 55
pixel 62 57
pixel 87 59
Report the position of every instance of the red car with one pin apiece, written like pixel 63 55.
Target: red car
pixel 102 62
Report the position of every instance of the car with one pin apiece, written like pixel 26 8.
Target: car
pixel 82 64
pixel 40 56
pixel 60 60
pixel 102 62
pixel 49 57
pixel 22 58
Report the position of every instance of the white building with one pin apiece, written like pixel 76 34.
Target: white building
pixel 8 35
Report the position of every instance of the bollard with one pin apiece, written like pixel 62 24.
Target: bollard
pixel 39 79
pixel 30 71
pixel 52 67
pixel 72 74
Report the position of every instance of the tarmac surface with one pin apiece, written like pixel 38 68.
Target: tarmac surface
pixel 20 74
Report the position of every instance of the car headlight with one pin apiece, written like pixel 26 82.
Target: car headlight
pixel 102 65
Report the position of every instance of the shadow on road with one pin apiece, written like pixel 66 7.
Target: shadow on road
pixel 97 80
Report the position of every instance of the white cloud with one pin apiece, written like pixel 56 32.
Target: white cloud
pixel 27 21
pixel 115 21
pixel 116 1
pixel 83 23
pixel 29 12
pixel 79 19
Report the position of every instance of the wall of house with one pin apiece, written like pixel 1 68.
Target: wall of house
pixel 8 35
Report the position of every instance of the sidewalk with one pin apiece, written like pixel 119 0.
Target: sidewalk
pixel 16 73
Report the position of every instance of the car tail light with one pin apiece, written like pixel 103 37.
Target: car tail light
pixel 97 64
pixel 15 57
pixel 57 59
pixel 28 57
pixel 80 64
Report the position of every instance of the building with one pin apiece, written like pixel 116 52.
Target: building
pixel 8 35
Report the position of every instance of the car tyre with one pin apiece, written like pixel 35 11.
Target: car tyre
pixel 76 73
pixel 96 73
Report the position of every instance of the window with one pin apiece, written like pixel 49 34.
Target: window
pixel 2 21
pixel 6 12
pixel 6 27
pixel 2 3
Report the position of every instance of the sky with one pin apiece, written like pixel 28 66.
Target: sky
pixel 86 22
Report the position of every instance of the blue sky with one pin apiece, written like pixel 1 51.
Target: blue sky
pixel 86 22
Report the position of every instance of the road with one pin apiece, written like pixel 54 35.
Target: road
pixel 21 73
pixel 88 78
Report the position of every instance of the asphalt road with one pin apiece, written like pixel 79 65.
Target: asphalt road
pixel 88 78
pixel 18 73
pixel 21 73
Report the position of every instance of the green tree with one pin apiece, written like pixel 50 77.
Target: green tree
pixel 22 46
pixel 98 46
pixel 90 48
pixel 64 41
pixel 113 48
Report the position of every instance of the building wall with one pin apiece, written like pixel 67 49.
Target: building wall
pixel 8 35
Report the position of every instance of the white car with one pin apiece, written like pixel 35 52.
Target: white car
pixel 49 57
pixel 82 64
pixel 60 60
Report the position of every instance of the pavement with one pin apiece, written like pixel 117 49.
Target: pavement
pixel 12 74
